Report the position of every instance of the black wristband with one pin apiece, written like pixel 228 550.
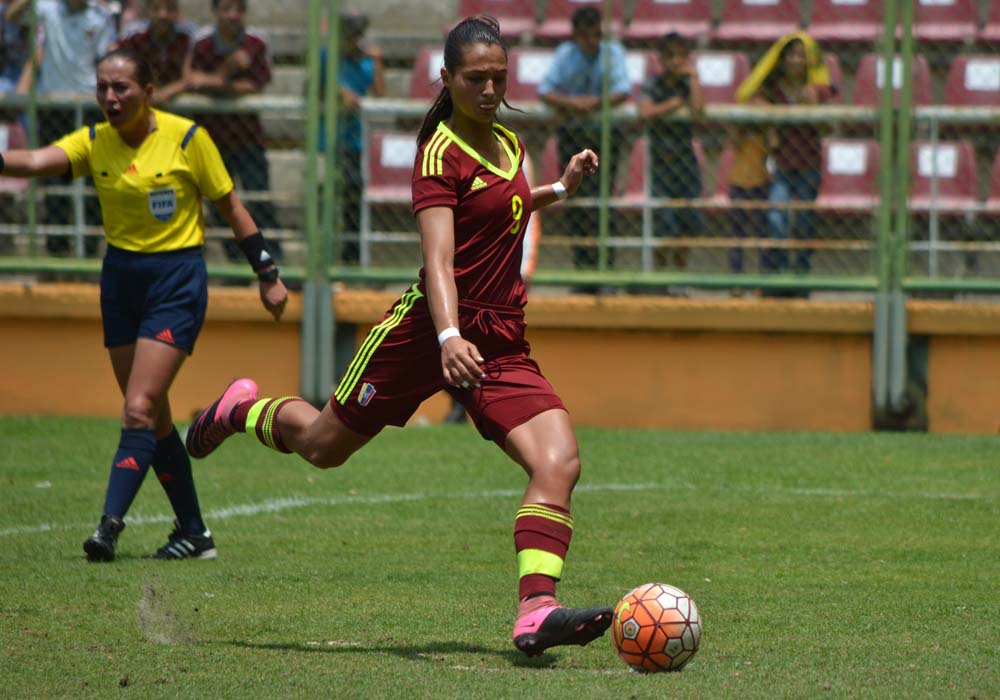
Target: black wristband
pixel 255 249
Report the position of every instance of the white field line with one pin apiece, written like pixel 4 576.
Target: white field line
pixel 276 505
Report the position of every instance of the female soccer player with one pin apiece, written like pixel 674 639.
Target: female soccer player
pixel 459 328
pixel 151 170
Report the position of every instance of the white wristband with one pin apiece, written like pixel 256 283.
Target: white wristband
pixel 449 332
pixel 559 189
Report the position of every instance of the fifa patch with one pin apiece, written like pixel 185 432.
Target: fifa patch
pixel 163 203
pixel 366 394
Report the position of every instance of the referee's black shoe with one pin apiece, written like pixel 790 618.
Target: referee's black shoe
pixel 101 545
pixel 185 546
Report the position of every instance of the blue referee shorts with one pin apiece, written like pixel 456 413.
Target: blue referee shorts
pixel 161 296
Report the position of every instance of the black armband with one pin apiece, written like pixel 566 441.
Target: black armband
pixel 255 249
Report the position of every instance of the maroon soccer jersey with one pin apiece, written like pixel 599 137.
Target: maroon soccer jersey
pixel 491 213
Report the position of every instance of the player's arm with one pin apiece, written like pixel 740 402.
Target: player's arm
pixel 272 290
pixel 460 359
pixel 583 163
pixel 50 160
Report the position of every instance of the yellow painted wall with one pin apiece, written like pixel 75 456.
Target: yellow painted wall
pixel 616 361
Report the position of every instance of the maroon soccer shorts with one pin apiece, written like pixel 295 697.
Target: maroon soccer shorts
pixel 399 366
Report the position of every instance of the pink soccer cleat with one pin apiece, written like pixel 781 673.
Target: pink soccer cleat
pixel 212 425
pixel 553 625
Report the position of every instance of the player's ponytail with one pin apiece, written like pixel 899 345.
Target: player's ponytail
pixel 480 29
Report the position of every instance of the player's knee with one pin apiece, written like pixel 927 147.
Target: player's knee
pixel 563 467
pixel 139 413
pixel 324 458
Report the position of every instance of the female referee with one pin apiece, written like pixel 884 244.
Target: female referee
pixel 460 328
pixel 151 170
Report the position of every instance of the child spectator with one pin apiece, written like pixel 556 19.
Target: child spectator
pixel 673 166
pixel 164 43
pixel 231 61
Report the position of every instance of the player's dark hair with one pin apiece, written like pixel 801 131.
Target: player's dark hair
pixel 143 69
pixel 480 29
pixel 586 17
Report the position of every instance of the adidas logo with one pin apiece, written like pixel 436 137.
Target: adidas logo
pixel 131 169
pixel 128 463
pixel 165 336
pixel 477 184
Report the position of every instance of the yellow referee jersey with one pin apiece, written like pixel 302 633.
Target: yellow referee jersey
pixel 151 196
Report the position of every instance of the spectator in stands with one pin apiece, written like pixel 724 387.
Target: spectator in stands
pixel 231 61
pixel 75 34
pixel 359 73
pixel 153 280
pixel 13 45
pixel 573 86
pixel 165 43
pixel 792 72
pixel 673 167
pixel 748 181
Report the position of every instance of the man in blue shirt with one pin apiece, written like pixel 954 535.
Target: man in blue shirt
pixel 573 87
pixel 359 73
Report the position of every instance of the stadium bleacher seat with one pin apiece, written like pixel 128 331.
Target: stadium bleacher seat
pixel 526 67
pixel 651 19
pixel 949 21
pixel 850 171
pixel 12 135
pixel 556 25
pixel 720 73
pixel 991 29
pixel 943 178
pixel 832 62
pixel 425 77
pixel 757 20
pixel 870 78
pixel 973 80
pixel 390 167
pixel 993 198
pixel 516 17
pixel 846 21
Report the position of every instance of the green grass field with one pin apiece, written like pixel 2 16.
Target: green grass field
pixel 824 566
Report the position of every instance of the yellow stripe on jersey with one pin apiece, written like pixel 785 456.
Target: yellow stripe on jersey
pixel 151 196
pixel 433 154
pixel 374 339
pixel 547 513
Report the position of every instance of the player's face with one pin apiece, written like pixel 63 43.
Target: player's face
pixel 479 83
pixel 120 96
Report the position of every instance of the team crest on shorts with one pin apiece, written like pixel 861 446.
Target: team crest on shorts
pixel 162 203
pixel 366 394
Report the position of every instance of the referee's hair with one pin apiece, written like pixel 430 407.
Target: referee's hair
pixel 143 70
pixel 480 29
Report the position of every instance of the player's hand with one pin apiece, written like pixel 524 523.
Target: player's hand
pixel 460 363
pixel 275 296
pixel 583 163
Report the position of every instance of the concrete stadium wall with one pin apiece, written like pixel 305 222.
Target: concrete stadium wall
pixel 617 361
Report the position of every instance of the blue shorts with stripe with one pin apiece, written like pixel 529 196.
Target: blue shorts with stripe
pixel 398 367
pixel 161 296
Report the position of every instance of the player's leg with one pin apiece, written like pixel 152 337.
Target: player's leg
pixel 145 370
pixel 546 448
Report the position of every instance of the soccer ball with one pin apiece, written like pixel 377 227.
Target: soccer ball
pixel 656 627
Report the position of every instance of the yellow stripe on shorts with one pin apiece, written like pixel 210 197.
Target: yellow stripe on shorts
pixel 374 339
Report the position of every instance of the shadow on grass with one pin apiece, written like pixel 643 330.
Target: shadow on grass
pixel 431 652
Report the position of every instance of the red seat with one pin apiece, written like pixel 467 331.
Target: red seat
pixel 993 201
pixel 391 155
pixel 754 20
pixel 557 25
pixel 720 74
pixel 13 136
pixel 973 80
pixel 841 21
pixel 425 76
pixel 945 20
pixel 836 76
pixel 526 68
pixel 651 19
pixel 943 178
pixel 516 17
pixel 991 30
pixel 850 176
pixel 870 78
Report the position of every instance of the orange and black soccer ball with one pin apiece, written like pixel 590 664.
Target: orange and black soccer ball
pixel 656 627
